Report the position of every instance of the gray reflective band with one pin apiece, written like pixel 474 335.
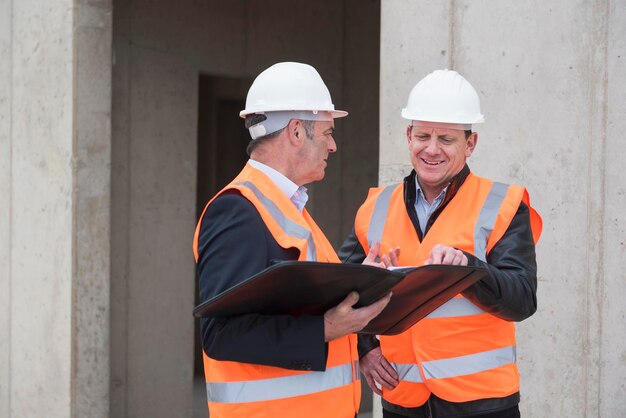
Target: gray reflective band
pixel 280 387
pixel 470 364
pixel 408 372
pixel 487 219
pixel 456 307
pixel 456 366
pixel 379 215
pixel 287 225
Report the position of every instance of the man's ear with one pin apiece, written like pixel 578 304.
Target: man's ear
pixel 296 131
pixel 472 141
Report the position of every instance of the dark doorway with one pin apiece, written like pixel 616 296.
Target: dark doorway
pixel 222 142
pixel 222 138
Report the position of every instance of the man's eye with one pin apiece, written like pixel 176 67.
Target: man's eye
pixel 446 141
pixel 423 137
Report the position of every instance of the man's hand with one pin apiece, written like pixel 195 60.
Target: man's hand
pixel 385 260
pixel 442 254
pixel 343 319
pixel 377 371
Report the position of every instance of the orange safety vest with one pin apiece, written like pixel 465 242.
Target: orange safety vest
pixel 458 352
pixel 250 390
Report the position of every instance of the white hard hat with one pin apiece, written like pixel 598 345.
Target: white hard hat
pixel 444 96
pixel 289 86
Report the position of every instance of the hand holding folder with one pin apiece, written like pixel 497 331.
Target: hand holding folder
pixel 311 288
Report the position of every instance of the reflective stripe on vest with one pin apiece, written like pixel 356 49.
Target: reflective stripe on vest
pixel 408 372
pixel 280 387
pixel 470 364
pixel 487 219
pixel 379 215
pixel 287 225
pixel 455 307
pixel 457 366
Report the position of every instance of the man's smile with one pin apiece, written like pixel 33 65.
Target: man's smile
pixel 429 162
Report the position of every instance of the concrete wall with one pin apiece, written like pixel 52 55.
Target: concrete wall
pixel 6 62
pixel 551 78
pixel 153 192
pixel 54 212
pixel 160 49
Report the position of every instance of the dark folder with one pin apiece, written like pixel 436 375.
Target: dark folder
pixel 311 288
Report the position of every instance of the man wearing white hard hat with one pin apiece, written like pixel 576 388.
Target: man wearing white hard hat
pixel 278 365
pixel 460 360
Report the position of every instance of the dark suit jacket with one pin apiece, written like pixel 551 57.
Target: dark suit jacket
pixel 234 244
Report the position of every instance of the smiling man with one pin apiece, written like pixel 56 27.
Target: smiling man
pixel 278 366
pixel 460 360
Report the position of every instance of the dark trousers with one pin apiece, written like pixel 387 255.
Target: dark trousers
pixel 506 413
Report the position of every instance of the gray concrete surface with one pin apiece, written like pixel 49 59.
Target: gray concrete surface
pixel 55 145
pixel 5 205
pixel 551 79
pixel 91 164
pixel 39 181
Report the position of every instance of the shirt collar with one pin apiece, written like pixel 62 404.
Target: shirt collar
pixel 419 194
pixel 298 195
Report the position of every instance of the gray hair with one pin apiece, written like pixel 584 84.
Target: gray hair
pixel 309 129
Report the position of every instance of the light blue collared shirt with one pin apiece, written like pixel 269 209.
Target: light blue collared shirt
pixel 297 195
pixel 423 208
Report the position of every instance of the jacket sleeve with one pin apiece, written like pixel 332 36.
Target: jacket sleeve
pixel 235 244
pixel 352 252
pixel 510 291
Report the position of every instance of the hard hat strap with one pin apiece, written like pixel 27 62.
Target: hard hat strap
pixel 262 124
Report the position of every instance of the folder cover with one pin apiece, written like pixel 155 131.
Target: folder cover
pixel 311 288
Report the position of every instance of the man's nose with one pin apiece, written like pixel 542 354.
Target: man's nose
pixel 332 145
pixel 433 146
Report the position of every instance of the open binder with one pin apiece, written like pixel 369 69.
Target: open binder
pixel 311 288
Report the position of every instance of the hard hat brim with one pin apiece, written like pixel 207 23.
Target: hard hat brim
pixel 335 113
pixel 406 114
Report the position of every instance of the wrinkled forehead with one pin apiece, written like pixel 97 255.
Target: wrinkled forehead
pixel 441 125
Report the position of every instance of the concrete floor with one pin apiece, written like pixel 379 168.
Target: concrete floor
pixel 199 399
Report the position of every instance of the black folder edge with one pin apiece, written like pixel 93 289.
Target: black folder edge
pixel 473 275
pixel 366 298
pixel 392 278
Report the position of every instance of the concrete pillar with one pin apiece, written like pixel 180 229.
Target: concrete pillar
pixel 611 354
pixel 92 201
pixel 54 218
pixel 153 207
pixel 162 211
pixel 5 205
pixel 550 78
